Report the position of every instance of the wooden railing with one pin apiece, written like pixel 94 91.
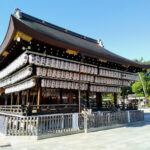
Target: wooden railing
pixel 39 109
pixel 56 108
pixel 12 109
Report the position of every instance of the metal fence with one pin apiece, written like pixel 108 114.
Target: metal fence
pixel 15 125
pixel 106 119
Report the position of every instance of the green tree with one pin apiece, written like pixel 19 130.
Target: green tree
pixel 137 89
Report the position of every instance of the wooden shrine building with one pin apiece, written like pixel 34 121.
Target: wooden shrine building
pixel 47 69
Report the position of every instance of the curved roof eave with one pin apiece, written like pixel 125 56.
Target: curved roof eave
pixel 8 37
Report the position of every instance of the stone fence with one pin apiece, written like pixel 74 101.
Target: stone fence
pixel 43 126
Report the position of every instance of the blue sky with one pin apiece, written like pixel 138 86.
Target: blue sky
pixel 122 25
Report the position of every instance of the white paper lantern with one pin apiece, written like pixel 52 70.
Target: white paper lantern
pixel 62 64
pixel 37 60
pixel 43 83
pixel 53 63
pixel 39 71
pixel 44 72
pixel 49 72
pixel 31 59
pixel 48 62
pixel 42 61
pixel 48 83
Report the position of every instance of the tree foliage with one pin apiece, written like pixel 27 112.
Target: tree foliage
pixel 136 87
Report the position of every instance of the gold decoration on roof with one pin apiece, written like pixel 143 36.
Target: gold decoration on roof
pixel 5 53
pixel 103 60
pixel 69 51
pixel 23 36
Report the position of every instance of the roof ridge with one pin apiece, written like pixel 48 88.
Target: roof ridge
pixel 21 15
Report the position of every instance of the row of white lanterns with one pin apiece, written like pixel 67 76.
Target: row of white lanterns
pixel 16 64
pixel 16 77
pixel 114 74
pixel 75 76
pixel 94 88
pixel 109 73
pixel 62 84
pixel 54 63
pixel 20 87
pixel 112 81
pixel 61 64
pixel 130 77
pixel 73 85
pixel 63 74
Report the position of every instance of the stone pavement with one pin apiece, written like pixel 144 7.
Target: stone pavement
pixel 133 137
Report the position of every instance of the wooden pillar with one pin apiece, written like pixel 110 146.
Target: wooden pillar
pixel 79 101
pixel 70 97
pixel 77 95
pixel 19 98
pixel 115 99
pixel 61 100
pixel 79 92
pixel 99 100
pixel 87 99
pixel 28 96
pixel 39 97
pixel 12 97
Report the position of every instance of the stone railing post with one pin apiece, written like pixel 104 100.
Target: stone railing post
pixel 85 123
pixel 128 114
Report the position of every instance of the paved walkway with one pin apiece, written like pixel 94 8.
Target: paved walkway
pixel 135 137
